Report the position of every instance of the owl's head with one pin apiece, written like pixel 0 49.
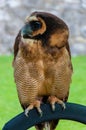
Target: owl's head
pixel 45 27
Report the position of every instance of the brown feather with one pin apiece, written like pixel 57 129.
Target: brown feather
pixel 16 45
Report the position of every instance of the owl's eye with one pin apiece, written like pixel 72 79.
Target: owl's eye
pixel 35 25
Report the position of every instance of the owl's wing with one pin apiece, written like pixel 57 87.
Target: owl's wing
pixel 68 49
pixel 16 45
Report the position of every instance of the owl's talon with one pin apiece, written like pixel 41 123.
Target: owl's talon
pixel 63 106
pixel 40 111
pixel 26 112
pixel 53 100
pixel 41 114
pixel 53 107
pixel 30 107
pixel 35 104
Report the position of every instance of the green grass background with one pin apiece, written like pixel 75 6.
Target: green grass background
pixel 9 104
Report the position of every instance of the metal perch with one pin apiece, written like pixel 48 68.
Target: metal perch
pixel 73 112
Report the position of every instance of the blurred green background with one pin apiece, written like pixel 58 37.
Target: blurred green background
pixel 9 103
pixel 12 15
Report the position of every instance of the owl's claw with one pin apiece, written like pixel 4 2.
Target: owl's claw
pixel 26 112
pixel 30 107
pixel 40 111
pixel 35 104
pixel 63 106
pixel 53 106
pixel 53 100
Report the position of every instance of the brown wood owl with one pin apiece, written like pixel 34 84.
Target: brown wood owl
pixel 42 63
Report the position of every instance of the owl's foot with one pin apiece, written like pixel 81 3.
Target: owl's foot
pixel 53 100
pixel 35 104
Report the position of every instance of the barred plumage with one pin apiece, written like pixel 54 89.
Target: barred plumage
pixel 42 66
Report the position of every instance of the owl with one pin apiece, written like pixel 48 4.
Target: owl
pixel 42 64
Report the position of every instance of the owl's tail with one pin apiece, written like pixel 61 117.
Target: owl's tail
pixel 51 125
pixel 47 126
pixel 43 126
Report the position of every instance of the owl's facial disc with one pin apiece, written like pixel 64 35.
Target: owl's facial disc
pixel 29 28
pixel 33 27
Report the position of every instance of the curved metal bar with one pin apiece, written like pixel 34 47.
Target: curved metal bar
pixel 73 112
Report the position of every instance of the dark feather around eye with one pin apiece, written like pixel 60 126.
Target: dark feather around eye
pixel 35 25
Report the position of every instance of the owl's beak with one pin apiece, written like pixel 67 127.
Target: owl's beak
pixel 26 31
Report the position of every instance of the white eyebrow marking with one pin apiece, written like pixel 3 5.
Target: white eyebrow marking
pixel 32 18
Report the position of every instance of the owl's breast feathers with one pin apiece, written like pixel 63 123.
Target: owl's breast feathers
pixel 41 71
